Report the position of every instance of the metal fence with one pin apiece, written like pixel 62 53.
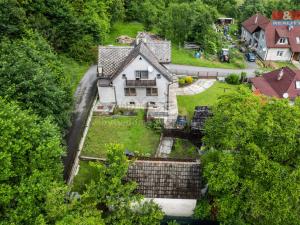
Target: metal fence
pixel 200 74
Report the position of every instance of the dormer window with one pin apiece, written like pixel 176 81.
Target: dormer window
pixel 298 40
pixel 298 84
pixel 282 41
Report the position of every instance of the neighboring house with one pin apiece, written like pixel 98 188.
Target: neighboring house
pixel 174 185
pixel 281 83
pixel 276 43
pixel 135 76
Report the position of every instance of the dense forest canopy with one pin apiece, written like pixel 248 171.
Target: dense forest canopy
pixel 36 102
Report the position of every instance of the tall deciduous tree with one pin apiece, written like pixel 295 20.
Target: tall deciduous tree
pixel 116 198
pixel 31 74
pixel 252 162
pixel 29 163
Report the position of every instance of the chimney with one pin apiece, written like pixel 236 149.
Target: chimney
pixel 280 75
pixel 256 19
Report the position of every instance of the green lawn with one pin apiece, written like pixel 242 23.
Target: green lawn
pixel 284 64
pixel 74 70
pixel 130 131
pixel 186 57
pixel 130 29
pixel 183 149
pixel 187 103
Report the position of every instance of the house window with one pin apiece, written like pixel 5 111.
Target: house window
pixel 130 91
pixel 298 40
pixel 282 40
pixel 132 103
pixel 151 92
pixel 158 76
pixel 279 53
pixel 141 74
pixel 298 84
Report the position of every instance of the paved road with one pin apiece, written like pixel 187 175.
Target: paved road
pixel 194 70
pixel 84 97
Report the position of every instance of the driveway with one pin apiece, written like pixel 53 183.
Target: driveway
pixel 84 97
pixel 195 70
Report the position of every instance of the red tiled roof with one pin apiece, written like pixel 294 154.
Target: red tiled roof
pixel 255 21
pixel 269 83
pixel 273 33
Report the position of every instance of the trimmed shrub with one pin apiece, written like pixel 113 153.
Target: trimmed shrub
pixel 233 79
pixel 181 81
pixel 188 80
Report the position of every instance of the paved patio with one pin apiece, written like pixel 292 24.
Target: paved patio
pixel 197 87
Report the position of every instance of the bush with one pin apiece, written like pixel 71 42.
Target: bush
pixel 181 81
pixel 188 80
pixel 233 79
pixel 243 77
pixel 155 124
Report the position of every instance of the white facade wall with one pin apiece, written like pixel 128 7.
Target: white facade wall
pixel 262 49
pixel 246 35
pixel 140 99
pixel 272 54
pixel 176 207
pixel 106 94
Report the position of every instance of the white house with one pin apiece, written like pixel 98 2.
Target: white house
pixel 135 76
pixel 275 43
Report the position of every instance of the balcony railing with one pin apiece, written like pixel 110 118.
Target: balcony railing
pixel 140 83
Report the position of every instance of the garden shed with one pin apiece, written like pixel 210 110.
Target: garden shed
pixel 175 185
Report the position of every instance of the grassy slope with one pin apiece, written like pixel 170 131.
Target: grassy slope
pixel 179 56
pixel 74 70
pixel 130 29
pixel 131 132
pixel 185 57
pixel 186 104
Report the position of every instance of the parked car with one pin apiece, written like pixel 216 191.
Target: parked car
pixel 224 55
pixel 181 122
pixel 250 57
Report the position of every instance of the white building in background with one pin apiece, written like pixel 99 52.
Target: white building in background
pixel 274 43
pixel 135 76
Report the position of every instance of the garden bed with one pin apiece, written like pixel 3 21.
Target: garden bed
pixel 130 131
pixel 183 149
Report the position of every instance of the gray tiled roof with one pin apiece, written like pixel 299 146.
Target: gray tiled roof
pixel 162 50
pixel 113 58
pixel 110 58
pixel 142 49
pixel 166 179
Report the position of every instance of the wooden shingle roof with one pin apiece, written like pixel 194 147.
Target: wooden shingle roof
pixel 166 179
